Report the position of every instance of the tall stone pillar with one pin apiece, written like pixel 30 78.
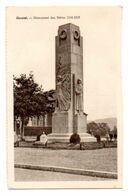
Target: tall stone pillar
pixel 68 117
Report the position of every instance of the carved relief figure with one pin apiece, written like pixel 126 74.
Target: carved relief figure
pixel 62 100
pixel 62 68
pixel 59 65
pixel 78 91
pixel 63 81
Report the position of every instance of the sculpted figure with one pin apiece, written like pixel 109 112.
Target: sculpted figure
pixel 62 100
pixel 61 67
pixel 78 91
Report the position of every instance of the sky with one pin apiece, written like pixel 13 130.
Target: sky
pixel 31 47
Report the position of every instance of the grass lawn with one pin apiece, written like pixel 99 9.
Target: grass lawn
pixel 100 159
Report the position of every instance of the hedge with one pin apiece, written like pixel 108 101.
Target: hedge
pixel 35 131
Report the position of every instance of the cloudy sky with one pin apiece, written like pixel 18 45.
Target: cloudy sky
pixel 31 47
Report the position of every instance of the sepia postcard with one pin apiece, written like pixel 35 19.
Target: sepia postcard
pixel 64 104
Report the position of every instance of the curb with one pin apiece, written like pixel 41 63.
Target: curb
pixel 94 173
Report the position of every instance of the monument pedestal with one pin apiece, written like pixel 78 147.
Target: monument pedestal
pixel 63 128
pixel 65 138
pixel 80 122
pixel 62 122
pixel 81 128
pixel 59 137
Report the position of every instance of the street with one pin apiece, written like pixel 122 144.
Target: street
pixel 35 175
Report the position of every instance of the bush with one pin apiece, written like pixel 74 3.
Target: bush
pixel 111 136
pixel 38 137
pixel 98 137
pixel 75 138
pixel 115 136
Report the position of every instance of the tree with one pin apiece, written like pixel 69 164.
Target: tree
pixel 104 128
pixel 92 127
pixel 50 100
pixel 115 132
pixel 98 129
pixel 29 99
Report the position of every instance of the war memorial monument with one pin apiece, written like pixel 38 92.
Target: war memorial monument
pixel 69 116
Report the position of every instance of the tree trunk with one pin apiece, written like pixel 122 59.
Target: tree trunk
pixel 38 120
pixel 22 129
pixel 43 120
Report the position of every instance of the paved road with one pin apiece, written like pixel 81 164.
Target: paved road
pixel 35 175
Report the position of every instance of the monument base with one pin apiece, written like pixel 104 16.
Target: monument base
pixel 63 128
pixel 80 122
pixel 62 123
pixel 65 137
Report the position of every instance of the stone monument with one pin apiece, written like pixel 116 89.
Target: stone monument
pixel 69 117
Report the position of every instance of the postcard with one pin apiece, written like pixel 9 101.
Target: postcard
pixel 64 116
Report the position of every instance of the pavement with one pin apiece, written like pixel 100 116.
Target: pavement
pixel 37 175
pixel 68 170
